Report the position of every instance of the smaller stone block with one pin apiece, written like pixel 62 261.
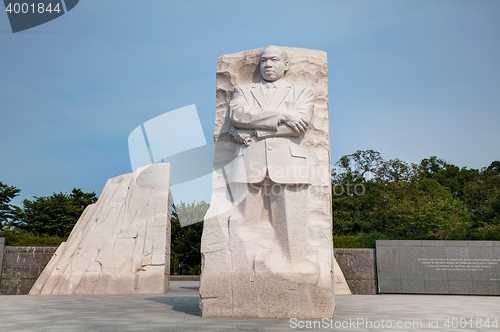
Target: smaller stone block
pixel 119 245
pixel 22 266
pixel 22 271
pixel 362 286
pixel 359 267
pixel 16 286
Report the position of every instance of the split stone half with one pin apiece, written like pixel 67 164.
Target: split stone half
pixel 120 244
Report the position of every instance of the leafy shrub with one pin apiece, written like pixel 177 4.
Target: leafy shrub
pixel 17 238
pixel 53 215
pixel 360 240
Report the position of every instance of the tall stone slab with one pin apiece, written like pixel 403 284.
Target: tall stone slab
pixel 120 244
pixel 278 262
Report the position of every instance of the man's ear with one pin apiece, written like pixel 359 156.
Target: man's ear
pixel 286 66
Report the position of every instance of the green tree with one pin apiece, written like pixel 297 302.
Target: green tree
pixel 482 195
pixel 397 200
pixel 395 170
pixel 186 241
pixel 6 210
pixel 359 165
pixel 53 215
pixel 448 175
pixel 424 210
pixel 191 213
pixel 495 167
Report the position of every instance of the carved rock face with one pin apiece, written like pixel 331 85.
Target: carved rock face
pixel 264 255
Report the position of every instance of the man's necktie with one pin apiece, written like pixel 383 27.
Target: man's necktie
pixel 269 92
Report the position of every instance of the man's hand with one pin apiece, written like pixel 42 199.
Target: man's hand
pixel 242 136
pixel 296 121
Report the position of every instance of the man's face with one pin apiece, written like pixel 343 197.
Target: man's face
pixel 272 64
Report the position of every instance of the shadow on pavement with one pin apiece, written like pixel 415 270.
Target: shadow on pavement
pixel 186 304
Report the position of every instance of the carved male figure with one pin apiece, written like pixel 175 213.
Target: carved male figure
pixel 269 119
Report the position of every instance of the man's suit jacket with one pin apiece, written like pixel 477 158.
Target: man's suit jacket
pixel 277 149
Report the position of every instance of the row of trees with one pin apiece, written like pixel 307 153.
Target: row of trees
pixel 430 200
pixel 46 220
pixel 52 215
pixel 372 199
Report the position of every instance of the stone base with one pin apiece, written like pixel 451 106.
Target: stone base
pixel 267 296
pixel 245 273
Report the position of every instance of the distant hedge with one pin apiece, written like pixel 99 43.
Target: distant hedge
pixel 17 238
pixel 361 240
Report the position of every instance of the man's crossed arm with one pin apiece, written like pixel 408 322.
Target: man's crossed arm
pixel 251 121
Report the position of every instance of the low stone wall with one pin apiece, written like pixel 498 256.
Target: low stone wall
pixel 21 268
pixel 359 268
pixel 2 246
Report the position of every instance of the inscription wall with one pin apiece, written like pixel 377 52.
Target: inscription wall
pixel 439 267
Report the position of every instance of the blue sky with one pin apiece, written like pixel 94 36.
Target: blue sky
pixel 410 79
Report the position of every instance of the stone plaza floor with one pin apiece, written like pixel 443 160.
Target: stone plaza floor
pixel 178 311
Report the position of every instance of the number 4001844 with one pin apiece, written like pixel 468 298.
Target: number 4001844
pixel 471 323
pixel 25 8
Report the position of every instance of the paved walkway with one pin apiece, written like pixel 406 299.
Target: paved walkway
pixel 178 311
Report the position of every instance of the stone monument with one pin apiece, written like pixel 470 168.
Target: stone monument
pixel 267 241
pixel 120 244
